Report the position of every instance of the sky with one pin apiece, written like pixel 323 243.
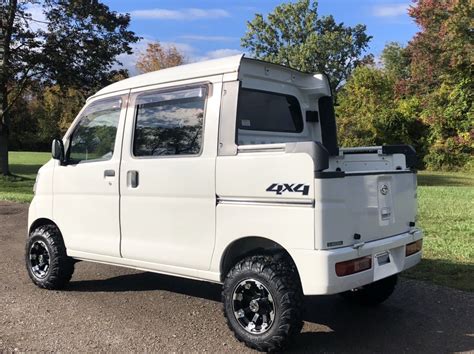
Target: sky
pixel 207 29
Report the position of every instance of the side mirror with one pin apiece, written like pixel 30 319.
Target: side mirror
pixel 57 150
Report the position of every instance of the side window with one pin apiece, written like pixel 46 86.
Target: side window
pixel 169 123
pixel 94 136
pixel 268 111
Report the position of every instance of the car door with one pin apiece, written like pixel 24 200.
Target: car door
pixel 168 177
pixel 86 187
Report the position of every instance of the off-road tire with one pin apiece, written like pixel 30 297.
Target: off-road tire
pixel 279 276
pixel 61 267
pixel 372 294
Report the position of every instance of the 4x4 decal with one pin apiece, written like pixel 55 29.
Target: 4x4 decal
pixel 280 188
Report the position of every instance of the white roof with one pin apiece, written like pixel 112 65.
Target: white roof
pixel 232 64
pixel 182 72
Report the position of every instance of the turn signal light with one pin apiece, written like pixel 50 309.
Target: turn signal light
pixel 353 266
pixel 413 248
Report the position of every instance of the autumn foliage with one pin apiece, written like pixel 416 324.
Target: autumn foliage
pixel 158 57
pixel 423 94
pixel 419 94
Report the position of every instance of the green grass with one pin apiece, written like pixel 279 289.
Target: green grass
pixel 445 179
pixel 445 213
pixel 24 166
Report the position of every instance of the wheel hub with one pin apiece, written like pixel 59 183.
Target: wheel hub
pixel 39 259
pixel 253 304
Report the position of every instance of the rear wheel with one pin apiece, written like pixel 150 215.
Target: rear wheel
pixel 46 260
pixel 263 302
pixel 372 294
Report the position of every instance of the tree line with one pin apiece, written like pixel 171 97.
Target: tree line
pixel 422 93
pixel 418 94
pixel 49 66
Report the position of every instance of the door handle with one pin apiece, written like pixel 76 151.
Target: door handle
pixel 109 173
pixel 132 179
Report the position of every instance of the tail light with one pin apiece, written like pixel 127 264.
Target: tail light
pixel 413 248
pixel 353 266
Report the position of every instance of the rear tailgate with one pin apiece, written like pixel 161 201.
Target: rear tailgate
pixel 360 205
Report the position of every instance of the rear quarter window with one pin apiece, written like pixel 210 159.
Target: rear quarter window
pixel 268 111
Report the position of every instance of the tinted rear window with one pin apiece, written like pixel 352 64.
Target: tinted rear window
pixel 268 111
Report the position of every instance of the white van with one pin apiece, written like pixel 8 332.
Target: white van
pixel 227 171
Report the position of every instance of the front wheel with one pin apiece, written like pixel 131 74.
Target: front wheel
pixel 263 302
pixel 372 294
pixel 46 260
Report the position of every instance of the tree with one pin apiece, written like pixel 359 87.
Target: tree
pixel 294 35
pixel 56 109
pixel 158 57
pixel 76 46
pixel 7 22
pixel 441 75
pixel 370 114
pixel 423 93
pixel 396 61
pixel 424 48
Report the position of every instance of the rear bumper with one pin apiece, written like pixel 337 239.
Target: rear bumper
pixel 317 269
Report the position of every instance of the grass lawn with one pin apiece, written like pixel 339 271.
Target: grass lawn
pixel 24 166
pixel 445 213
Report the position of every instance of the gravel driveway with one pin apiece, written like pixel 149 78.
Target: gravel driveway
pixel 115 309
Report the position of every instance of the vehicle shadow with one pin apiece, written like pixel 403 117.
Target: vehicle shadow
pixel 387 328
pixel 419 317
pixel 149 282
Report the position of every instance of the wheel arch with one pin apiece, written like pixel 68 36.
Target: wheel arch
pixel 247 246
pixel 40 222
